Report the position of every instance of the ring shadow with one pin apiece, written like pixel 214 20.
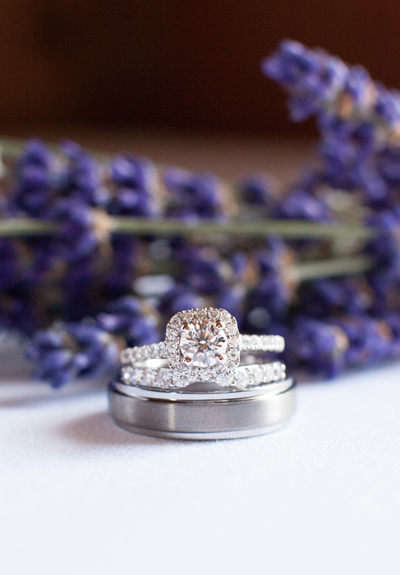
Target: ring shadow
pixel 99 429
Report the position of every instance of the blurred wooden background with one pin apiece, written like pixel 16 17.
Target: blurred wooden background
pixel 174 63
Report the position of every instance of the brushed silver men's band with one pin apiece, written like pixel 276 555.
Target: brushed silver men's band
pixel 200 413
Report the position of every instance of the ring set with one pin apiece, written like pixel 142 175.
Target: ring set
pixel 203 345
pixel 205 381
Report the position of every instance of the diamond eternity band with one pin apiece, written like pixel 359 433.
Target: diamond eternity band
pixel 244 377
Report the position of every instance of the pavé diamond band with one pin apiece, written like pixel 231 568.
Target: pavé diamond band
pixel 202 345
pixel 155 373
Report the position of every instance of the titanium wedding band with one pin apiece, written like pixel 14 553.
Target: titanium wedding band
pixel 204 415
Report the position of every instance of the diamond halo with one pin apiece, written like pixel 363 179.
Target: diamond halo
pixel 202 344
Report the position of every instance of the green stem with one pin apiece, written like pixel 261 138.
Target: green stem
pixel 331 267
pixel 161 227
pixel 11 146
pixel 285 228
pixel 15 227
pixel 300 272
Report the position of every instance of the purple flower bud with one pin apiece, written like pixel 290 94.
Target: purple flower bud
pixel 300 204
pixel 326 297
pixel 75 238
pixel 32 191
pixel 387 105
pixel 198 195
pixel 392 321
pixel 272 258
pixel 312 76
pixel 72 350
pixel 369 340
pixel 124 317
pixel 82 178
pixel 358 85
pixel 385 249
pixel 258 191
pixel 136 180
pixel 203 270
pixel 179 298
pixel 319 346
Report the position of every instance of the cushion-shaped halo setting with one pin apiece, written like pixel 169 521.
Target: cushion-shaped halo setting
pixel 202 344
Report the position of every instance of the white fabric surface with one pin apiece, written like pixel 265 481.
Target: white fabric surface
pixel 80 496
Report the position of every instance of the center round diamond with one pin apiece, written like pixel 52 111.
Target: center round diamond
pixel 203 344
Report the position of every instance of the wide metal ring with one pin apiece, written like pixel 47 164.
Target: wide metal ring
pixel 203 415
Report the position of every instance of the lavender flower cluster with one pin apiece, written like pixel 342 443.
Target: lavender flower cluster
pixel 352 322
pixel 74 292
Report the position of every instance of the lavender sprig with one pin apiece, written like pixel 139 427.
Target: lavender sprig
pixel 66 352
pixel 358 119
pixel 313 77
pixel 319 83
pixel 91 348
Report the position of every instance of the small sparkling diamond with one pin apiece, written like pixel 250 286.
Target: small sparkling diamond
pixel 163 378
pixel 224 381
pixel 250 376
pixel 267 372
pixel 127 374
pixel 258 375
pixel 203 343
pixel 240 379
pixel 126 355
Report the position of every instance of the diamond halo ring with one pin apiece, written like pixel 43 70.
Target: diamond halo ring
pixel 202 345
